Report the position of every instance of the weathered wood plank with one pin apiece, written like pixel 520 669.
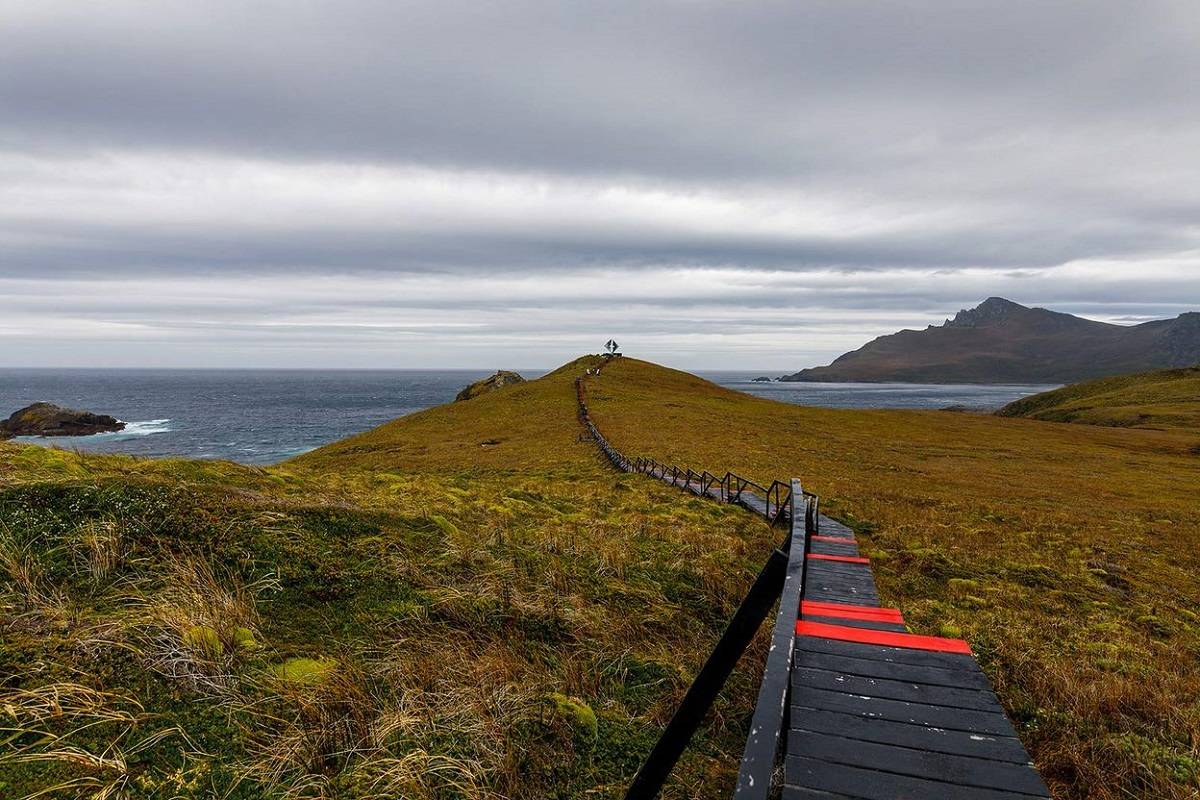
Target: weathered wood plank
pixel 897 655
pixel 870 668
pixel 959 719
pixel 919 737
pixel 887 689
pixel 870 624
pixel 844 597
pixel 825 548
pixel 805 794
pixel 956 769
pixel 870 784
pixel 846 585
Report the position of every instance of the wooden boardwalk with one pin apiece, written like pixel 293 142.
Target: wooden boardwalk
pixel 878 713
pixel 851 703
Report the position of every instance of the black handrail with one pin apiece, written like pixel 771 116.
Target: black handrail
pixel 709 681
pixel 777 496
pixel 762 752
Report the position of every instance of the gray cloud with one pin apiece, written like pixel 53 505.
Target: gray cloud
pixel 316 175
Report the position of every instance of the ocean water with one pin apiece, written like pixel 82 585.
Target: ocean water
pixel 976 397
pixel 251 416
pixel 264 416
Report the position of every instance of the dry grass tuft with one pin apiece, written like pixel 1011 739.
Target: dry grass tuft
pixel 29 600
pixel 197 623
pixel 349 729
pixel 43 725
pixel 97 547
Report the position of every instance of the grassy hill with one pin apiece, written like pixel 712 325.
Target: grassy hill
pixel 1164 399
pixel 402 615
pixel 468 603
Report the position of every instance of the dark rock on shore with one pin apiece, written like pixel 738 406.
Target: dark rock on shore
pixel 490 384
pixel 47 419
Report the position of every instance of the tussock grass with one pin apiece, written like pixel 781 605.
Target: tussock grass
pixel 424 626
pixel 51 725
pixel 196 622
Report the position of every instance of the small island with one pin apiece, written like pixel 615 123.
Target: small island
pixel 761 379
pixel 47 419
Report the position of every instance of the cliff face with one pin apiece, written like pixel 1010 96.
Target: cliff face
pixel 1001 341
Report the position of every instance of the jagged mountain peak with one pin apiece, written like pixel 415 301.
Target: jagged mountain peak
pixel 992 310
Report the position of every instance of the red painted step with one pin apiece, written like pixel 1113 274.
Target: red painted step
pixel 821 630
pixel 847 611
pixel 839 539
pixel 847 559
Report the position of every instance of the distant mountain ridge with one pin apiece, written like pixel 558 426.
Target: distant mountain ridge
pixel 1000 341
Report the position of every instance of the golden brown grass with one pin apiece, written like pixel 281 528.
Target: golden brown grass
pixel 433 626
pixel 1066 554
pixel 527 426
pixel 1162 400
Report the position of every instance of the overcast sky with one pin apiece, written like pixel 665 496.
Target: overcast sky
pixel 716 184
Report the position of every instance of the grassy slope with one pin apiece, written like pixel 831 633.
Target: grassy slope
pixel 532 425
pixel 462 622
pixel 1163 399
pixel 1067 555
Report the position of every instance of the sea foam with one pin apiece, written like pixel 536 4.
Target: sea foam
pixel 144 428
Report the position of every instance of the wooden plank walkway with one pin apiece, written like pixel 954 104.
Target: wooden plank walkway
pixel 877 713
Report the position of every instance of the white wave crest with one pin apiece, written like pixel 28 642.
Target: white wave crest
pixel 144 428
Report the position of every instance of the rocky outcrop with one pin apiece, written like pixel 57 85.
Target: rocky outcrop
pixel 47 419
pixel 490 384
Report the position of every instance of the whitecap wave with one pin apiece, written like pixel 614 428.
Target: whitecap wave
pixel 147 427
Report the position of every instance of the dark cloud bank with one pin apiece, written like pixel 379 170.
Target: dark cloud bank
pixel 717 184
